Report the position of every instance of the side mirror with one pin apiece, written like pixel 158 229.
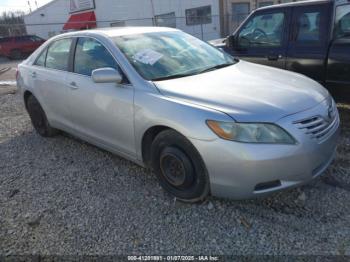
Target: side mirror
pixel 230 42
pixel 239 44
pixel 106 75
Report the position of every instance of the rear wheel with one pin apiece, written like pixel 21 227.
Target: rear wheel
pixel 38 118
pixel 178 166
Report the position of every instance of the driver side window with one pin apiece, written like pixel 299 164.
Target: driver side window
pixel 265 30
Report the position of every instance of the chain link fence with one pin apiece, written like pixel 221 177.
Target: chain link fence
pixel 205 28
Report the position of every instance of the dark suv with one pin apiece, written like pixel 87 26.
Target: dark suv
pixel 311 37
pixel 16 46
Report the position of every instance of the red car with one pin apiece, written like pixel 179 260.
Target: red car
pixel 15 47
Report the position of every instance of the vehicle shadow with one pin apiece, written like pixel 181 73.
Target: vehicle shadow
pixel 65 153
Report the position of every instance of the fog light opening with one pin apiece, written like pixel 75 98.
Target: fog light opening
pixel 267 185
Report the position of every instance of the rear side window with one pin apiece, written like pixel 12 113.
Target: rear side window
pixel 22 38
pixel 5 39
pixel 309 27
pixel 342 21
pixel 58 54
pixel 90 55
pixel 40 61
pixel 35 38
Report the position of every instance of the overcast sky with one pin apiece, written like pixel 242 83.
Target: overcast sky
pixel 14 5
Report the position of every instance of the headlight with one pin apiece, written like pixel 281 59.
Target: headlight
pixel 251 132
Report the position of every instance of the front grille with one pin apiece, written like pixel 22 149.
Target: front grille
pixel 320 127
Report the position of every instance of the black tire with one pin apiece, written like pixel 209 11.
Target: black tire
pixel 16 54
pixel 179 167
pixel 38 118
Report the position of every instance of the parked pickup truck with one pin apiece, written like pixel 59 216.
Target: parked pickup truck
pixel 15 47
pixel 310 37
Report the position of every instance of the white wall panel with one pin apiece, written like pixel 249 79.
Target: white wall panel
pixel 133 12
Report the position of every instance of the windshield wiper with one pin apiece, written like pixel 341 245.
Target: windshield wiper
pixel 215 67
pixel 170 77
pixel 192 73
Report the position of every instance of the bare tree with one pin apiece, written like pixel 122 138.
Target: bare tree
pixel 12 23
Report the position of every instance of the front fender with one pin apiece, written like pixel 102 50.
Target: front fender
pixel 189 120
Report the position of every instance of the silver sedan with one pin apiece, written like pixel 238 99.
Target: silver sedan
pixel 203 121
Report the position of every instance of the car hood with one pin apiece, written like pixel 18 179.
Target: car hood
pixel 247 92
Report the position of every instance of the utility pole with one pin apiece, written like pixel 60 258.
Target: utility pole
pixel 154 22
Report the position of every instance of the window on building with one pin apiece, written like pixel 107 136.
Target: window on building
pixel 239 12
pixel 58 54
pixel 342 21
pixel 40 61
pixel 118 24
pixel 167 20
pixel 262 4
pixel 265 30
pixel 308 27
pixel 199 15
pixel 90 55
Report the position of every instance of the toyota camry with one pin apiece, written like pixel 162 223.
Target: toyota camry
pixel 205 122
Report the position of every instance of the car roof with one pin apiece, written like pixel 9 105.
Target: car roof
pixel 300 3
pixel 120 31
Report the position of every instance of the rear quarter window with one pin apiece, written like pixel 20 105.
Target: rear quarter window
pixel 58 54
pixel 40 61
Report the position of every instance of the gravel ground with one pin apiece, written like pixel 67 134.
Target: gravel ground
pixel 65 197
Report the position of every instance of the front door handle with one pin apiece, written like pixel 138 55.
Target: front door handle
pixel 274 57
pixel 73 85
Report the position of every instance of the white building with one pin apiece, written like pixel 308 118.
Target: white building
pixel 205 19
pixel 197 17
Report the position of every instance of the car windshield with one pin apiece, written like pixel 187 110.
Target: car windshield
pixel 166 55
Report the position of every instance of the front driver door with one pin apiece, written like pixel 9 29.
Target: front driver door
pixel 102 112
pixel 263 38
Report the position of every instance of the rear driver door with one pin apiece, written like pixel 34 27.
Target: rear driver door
pixel 48 74
pixel 307 50
pixel 338 73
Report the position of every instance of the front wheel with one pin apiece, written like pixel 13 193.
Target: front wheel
pixel 38 118
pixel 179 167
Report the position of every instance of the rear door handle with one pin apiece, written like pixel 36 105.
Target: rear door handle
pixel 73 85
pixel 33 74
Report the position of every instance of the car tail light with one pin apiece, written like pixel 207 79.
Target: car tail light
pixel 17 72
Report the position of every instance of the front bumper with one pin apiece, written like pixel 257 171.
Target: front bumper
pixel 242 171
